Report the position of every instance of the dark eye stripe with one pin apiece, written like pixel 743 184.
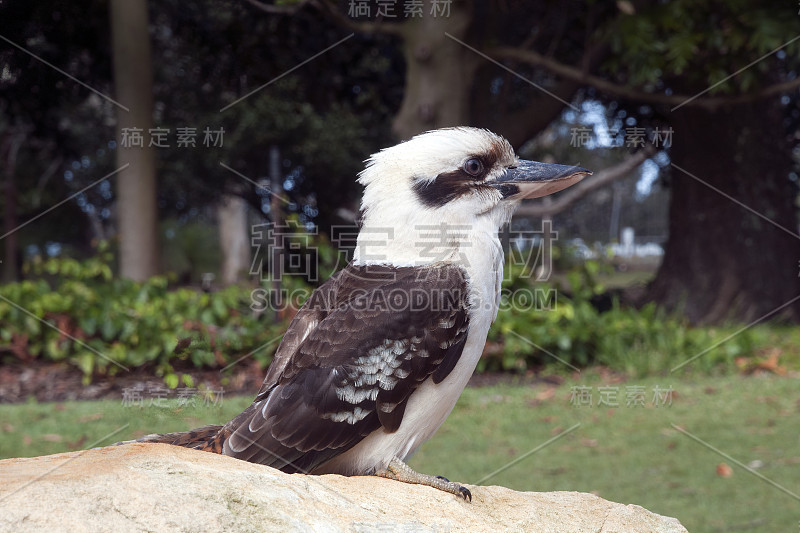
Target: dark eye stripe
pixel 449 186
pixel 446 187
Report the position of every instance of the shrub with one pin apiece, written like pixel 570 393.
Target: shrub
pixel 104 324
pixel 101 324
pixel 574 331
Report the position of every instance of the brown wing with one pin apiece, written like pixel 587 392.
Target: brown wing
pixel 356 351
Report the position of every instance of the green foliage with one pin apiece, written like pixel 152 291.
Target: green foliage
pixel 703 43
pixel 102 325
pixel 74 311
pixel 571 329
pixel 95 268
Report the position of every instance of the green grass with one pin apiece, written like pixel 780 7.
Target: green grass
pixel 633 454
pixel 625 454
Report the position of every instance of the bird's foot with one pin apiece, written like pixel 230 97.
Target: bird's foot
pixel 399 471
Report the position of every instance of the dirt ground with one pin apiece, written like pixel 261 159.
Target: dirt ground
pixel 60 382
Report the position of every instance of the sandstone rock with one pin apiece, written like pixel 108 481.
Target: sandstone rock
pixel 157 487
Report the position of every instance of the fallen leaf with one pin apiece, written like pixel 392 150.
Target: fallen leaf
pixel 771 364
pixel 78 443
pixel 546 394
pixel 766 361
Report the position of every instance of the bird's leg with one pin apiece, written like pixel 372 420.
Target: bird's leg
pixel 399 471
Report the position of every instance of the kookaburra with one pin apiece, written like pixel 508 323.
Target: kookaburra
pixel 376 358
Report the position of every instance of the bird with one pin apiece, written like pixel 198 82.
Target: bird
pixel 374 361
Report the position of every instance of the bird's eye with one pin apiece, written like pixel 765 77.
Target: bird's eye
pixel 473 167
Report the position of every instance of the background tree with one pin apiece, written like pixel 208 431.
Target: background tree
pixel 734 245
pixel 658 61
pixel 517 69
pixel 136 187
pixel 65 127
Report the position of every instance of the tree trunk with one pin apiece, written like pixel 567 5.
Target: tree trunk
pixel 233 238
pixel 439 71
pixel 722 261
pixel 136 186
pixel 11 255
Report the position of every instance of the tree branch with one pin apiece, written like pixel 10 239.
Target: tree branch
pixel 328 8
pixel 597 181
pixel 519 126
pixel 45 177
pixel 622 91
pixel 278 10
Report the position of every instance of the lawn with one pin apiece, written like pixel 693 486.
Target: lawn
pixel 627 453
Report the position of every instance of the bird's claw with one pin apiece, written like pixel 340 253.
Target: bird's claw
pixel 463 491
pixel 398 470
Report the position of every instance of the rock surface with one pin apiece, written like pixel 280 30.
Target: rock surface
pixel 157 487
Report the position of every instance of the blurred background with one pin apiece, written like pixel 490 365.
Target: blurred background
pixel 149 149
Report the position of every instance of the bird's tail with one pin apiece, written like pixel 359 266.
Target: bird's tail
pixel 207 438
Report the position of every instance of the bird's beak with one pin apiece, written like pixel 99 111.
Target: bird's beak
pixel 531 179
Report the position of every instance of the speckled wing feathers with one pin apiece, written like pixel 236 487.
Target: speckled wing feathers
pixel 356 351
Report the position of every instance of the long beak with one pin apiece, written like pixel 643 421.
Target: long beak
pixel 531 179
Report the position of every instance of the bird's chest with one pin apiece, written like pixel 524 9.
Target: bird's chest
pixel 430 405
pixel 433 402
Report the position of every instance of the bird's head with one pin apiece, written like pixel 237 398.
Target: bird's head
pixel 459 176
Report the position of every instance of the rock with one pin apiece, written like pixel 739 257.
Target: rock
pixel 157 487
